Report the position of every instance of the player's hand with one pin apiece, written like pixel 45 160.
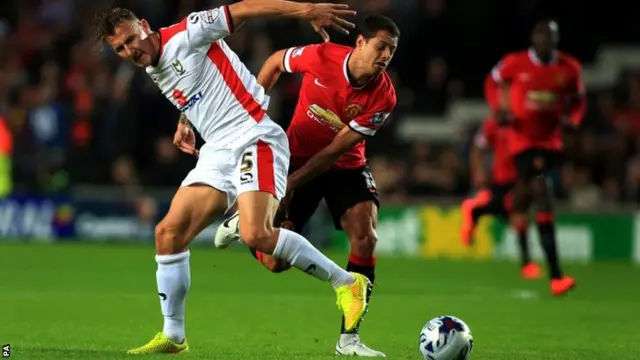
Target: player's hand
pixel 479 179
pixel 185 139
pixel 286 200
pixel 325 15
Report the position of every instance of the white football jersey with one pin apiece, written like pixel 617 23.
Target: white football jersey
pixel 203 78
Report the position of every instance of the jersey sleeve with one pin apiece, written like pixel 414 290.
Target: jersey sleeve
pixel 505 70
pixel 301 59
pixel 371 120
pixel 205 27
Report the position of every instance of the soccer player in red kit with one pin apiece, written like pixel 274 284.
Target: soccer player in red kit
pixel 494 196
pixel 540 90
pixel 346 96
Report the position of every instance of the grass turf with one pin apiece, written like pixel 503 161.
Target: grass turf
pixel 78 301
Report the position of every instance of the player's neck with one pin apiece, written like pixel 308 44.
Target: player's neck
pixel 545 57
pixel 156 41
pixel 357 76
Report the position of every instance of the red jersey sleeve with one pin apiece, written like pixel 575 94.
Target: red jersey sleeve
pixel 506 69
pixel 301 59
pixel 376 114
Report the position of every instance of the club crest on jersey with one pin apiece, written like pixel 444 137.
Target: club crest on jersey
pixel 352 110
pixel 177 67
pixel 183 102
pixel 561 79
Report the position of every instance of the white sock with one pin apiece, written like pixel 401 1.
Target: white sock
pixel 346 339
pixel 174 279
pixel 299 252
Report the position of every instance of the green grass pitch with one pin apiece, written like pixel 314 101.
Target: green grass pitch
pixel 78 301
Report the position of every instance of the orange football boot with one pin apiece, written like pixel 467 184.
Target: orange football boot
pixel 562 285
pixel 531 271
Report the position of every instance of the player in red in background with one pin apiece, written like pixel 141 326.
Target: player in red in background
pixel 540 91
pixel 346 96
pixel 494 196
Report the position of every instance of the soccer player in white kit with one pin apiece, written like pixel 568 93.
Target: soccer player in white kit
pixel 246 155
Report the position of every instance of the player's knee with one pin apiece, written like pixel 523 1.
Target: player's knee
pixel 169 239
pixel 542 194
pixel 257 236
pixel 363 242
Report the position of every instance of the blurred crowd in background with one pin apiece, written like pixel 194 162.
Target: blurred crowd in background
pixel 72 113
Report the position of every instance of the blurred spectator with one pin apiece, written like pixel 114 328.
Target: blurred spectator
pixel 77 116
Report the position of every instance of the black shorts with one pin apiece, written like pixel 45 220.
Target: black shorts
pixel 497 205
pixel 341 190
pixel 536 162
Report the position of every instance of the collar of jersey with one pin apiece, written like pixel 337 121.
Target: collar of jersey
pixel 536 60
pixel 345 71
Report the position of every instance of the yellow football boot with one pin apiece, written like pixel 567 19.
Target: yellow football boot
pixel 352 300
pixel 160 344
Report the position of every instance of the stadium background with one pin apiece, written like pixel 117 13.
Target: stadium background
pixel 86 140
pixel 87 168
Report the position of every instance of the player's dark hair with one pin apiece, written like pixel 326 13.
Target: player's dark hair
pixel 106 22
pixel 374 23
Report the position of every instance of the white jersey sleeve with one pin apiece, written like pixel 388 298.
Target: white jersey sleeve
pixel 205 27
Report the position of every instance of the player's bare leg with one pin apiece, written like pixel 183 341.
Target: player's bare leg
pixel 359 223
pixel 192 209
pixel 542 198
pixel 257 210
pixel 529 269
pixel 520 223
pixel 471 209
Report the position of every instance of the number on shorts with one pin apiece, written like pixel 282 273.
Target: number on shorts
pixel 371 184
pixel 247 162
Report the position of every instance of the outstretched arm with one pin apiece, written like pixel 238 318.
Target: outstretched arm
pixel 321 16
pixel 325 158
pixel 271 70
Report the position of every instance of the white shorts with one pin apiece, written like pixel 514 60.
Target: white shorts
pixel 256 161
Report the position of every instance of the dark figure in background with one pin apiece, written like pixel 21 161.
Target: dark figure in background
pixel 539 91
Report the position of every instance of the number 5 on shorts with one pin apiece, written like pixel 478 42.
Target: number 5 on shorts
pixel 256 171
pixel 246 165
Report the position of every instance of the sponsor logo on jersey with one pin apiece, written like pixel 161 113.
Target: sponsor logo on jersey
pixel 325 117
pixel 183 102
pixel 177 67
pixel 352 110
pixel 540 100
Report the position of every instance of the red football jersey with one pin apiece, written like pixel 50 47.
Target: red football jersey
pixel 540 94
pixel 328 102
pixel 497 138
